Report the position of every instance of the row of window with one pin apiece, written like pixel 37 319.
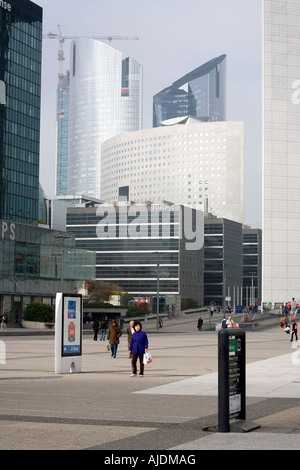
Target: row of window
pixel 129 244
pixel 16 94
pixel 138 286
pixel 19 155
pixel 23 143
pixel 134 258
pixel 136 272
pixel 21 131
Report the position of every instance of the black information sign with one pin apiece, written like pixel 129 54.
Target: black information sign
pixel 232 377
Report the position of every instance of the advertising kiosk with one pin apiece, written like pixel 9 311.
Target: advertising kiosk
pixel 68 333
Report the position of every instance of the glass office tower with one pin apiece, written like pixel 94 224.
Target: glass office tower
pixel 103 102
pixel 20 85
pixel 281 151
pixel 201 93
pixel 62 119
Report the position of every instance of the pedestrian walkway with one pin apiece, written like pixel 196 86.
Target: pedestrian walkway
pixel 104 408
pixel 243 441
pixel 272 378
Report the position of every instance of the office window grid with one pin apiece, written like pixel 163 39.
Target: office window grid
pixel 20 70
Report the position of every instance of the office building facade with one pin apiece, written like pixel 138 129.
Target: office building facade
pixel 192 163
pixel 36 263
pixel 105 99
pixel 200 93
pixel 131 239
pixel 252 265
pixel 281 145
pixel 20 93
pixel 223 262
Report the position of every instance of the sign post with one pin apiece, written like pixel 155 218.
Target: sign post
pixel 68 333
pixel 232 380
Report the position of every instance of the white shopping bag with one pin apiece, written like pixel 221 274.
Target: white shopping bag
pixel 147 358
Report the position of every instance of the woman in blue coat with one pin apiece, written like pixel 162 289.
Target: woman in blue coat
pixel 138 346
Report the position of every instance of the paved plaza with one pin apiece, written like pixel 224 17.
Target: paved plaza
pixel 103 408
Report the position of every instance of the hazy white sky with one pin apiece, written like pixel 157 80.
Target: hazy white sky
pixel 175 37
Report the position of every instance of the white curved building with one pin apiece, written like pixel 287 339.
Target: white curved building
pixel 105 99
pixel 187 161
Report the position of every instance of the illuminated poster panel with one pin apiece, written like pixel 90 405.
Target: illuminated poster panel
pixel 72 325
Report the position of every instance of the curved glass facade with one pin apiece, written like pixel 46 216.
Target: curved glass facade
pixel 20 80
pixel 200 93
pixel 103 103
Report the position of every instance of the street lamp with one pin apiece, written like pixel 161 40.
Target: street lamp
pixel 252 296
pixel 157 294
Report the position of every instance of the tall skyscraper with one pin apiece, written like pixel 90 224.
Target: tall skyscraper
pixel 104 100
pixel 281 151
pixel 20 92
pixel 62 135
pixel 200 93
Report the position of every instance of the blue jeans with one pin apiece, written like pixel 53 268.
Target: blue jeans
pixel 113 348
pixel 103 334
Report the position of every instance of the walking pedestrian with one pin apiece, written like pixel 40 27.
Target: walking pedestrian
pixel 103 328
pixel 294 331
pixel 138 347
pixel 3 321
pixel 130 330
pixel 96 329
pixel 113 337
pixel 200 324
pixel 229 322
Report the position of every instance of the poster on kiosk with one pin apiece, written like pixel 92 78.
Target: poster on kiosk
pixel 71 326
pixel 68 333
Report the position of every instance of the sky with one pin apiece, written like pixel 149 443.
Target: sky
pixel 175 37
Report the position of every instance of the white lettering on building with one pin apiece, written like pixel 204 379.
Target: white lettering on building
pixel 5 5
pixel 8 230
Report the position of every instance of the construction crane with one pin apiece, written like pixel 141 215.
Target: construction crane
pixel 61 39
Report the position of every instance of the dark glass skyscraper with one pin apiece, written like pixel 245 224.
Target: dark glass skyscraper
pixel 20 91
pixel 201 93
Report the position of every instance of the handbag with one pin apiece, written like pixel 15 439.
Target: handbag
pixel 147 358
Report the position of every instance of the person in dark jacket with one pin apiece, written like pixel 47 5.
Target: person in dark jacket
pixel 96 329
pixel 294 331
pixel 138 347
pixel 113 337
